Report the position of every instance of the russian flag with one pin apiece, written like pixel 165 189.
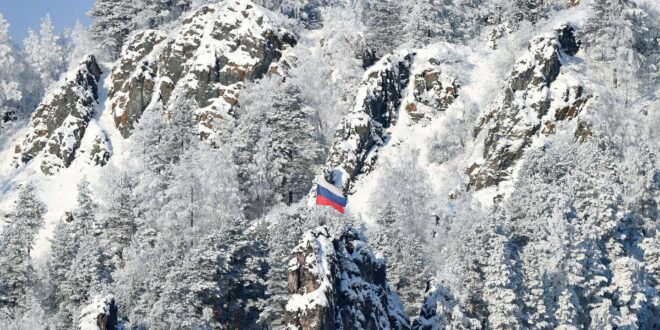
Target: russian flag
pixel 329 195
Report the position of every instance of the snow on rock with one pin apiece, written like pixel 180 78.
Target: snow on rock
pixel 100 314
pixel 207 59
pixel 539 94
pixel 336 282
pixel 363 130
pixel 58 125
pixel 433 86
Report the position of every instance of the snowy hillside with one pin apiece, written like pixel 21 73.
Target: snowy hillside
pixel 159 169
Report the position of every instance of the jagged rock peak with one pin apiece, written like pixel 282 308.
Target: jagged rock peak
pixel 414 81
pixel 207 59
pixel 336 282
pixel 535 98
pixel 58 125
pixel 376 107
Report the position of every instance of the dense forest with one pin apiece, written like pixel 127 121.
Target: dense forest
pixel 162 168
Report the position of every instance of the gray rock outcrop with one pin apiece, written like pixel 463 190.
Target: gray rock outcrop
pixel 59 123
pixel 535 99
pixel 217 49
pixel 100 314
pixel 363 130
pixel 336 282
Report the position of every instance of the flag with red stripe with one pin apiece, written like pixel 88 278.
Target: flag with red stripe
pixel 329 195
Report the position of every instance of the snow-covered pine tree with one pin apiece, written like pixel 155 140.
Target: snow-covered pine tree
pixel 75 244
pixel 404 172
pixel 204 192
pixel 384 21
pixel 33 318
pixel 244 277
pixel 10 91
pixel 624 39
pixel 407 270
pixel 28 213
pixel 81 44
pixel 422 21
pixel 161 138
pixel 500 283
pixel 114 20
pixel 289 146
pixel 45 53
pixel 17 276
pixel 119 218
pixel 284 225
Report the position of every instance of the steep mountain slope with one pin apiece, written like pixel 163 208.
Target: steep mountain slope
pixel 402 81
pixel 207 60
pixel 87 120
pixel 504 182
pixel 539 95
pixel 59 124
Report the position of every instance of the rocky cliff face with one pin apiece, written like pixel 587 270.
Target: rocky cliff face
pixel 58 125
pixel 336 282
pixel 363 130
pixel 207 59
pixel 401 81
pixel 538 96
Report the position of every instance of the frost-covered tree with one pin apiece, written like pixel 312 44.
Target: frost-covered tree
pixel 119 217
pixel 17 276
pixel 81 44
pixel 204 191
pixel 328 79
pixel 33 318
pixel 500 285
pixel 114 20
pixel 10 91
pixel 20 89
pixel 111 23
pixel 78 268
pixel 624 39
pixel 284 226
pixel 212 278
pixel 422 21
pixel 45 52
pixel 384 22
pixel 414 209
pixel 288 145
pixel 407 270
pixel 28 213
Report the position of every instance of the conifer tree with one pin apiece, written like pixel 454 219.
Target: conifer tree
pixel 384 21
pixel 114 20
pixel 45 53
pixel 407 270
pixel 285 226
pixel 119 218
pixel 17 277
pixel 10 89
pixel 78 267
pixel 289 147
